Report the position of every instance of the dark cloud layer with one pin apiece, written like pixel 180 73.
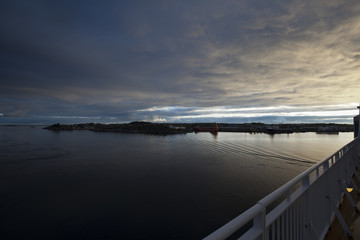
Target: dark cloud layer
pixel 115 58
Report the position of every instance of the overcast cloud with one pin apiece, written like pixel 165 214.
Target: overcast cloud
pixel 182 61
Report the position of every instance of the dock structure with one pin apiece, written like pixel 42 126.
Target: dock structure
pixel 320 203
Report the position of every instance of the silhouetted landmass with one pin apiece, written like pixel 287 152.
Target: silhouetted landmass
pixel 183 128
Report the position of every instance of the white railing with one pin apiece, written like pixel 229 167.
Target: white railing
pixel 308 203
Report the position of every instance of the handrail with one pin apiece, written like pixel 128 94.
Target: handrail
pixel 266 201
pixel 257 213
pixel 232 226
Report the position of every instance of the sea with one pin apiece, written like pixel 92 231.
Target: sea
pixel 95 185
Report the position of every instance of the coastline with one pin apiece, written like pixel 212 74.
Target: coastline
pixel 183 128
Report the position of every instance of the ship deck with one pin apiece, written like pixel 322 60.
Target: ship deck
pixel 350 215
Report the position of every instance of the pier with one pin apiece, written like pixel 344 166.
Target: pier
pixel 320 203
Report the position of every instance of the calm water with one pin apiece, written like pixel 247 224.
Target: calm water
pixel 87 185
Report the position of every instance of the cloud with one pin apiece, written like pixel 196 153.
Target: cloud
pixel 338 113
pixel 113 58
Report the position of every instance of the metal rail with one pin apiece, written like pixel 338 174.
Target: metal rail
pixel 309 202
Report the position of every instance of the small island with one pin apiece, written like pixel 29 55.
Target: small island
pixel 183 128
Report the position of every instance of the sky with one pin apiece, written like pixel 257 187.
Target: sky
pixel 179 61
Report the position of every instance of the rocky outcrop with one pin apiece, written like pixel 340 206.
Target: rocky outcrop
pixel 58 127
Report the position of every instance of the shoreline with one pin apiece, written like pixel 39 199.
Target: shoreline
pixel 183 128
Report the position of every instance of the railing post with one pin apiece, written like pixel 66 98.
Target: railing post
pixel 326 166
pixel 306 207
pixel 260 221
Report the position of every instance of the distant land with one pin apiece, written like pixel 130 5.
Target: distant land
pixel 183 128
